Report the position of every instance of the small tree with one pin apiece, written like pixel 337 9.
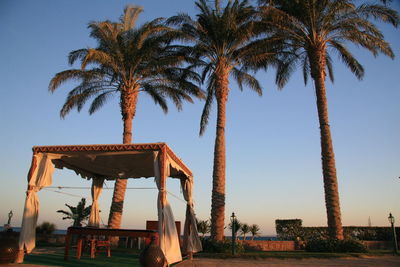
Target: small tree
pixel 46 228
pixel 237 225
pixel 244 229
pixel 78 214
pixel 254 230
pixel 203 227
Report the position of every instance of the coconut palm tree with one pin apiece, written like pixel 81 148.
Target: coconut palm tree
pixel 254 230
pixel 77 214
pixel 127 62
pixel 313 30
pixel 220 46
pixel 244 229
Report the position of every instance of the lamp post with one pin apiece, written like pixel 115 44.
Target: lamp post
pixel 233 223
pixel 391 220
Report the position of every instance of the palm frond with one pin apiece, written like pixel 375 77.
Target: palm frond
pixel 329 66
pixel 130 16
pixel 250 81
pixel 379 12
pixel 207 105
pixel 99 101
pixel 348 59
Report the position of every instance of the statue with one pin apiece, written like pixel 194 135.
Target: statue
pixel 10 214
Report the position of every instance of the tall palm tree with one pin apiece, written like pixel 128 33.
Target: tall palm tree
pixel 220 46
pixel 313 29
pixel 127 61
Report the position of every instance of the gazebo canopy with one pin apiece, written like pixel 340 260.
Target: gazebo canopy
pixel 114 161
pixel 100 162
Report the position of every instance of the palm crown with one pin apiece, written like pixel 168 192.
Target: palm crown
pixel 221 47
pixel 127 61
pixel 313 26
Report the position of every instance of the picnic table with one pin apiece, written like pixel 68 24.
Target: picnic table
pixel 83 232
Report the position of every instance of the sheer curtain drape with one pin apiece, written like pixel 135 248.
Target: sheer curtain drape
pixel 191 240
pixel 169 242
pixel 40 176
pixel 97 187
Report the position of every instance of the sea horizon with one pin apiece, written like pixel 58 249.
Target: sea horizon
pixel 64 232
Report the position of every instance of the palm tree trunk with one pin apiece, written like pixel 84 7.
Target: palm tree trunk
pixel 128 108
pixel 332 203
pixel 218 190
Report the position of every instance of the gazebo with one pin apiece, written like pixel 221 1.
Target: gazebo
pixel 108 162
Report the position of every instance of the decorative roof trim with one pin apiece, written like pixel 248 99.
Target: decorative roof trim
pixel 98 148
pixel 113 148
pixel 171 154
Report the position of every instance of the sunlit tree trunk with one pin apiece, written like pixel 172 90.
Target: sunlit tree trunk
pixel 332 203
pixel 128 108
pixel 218 189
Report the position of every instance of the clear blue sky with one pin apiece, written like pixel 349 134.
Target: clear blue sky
pixel 273 151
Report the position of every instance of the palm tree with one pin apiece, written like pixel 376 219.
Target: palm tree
pixel 203 227
pixel 244 229
pixel 78 214
pixel 127 61
pixel 237 224
pixel 313 29
pixel 254 230
pixel 220 45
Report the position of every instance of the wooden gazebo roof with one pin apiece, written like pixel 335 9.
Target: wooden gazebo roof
pixel 106 151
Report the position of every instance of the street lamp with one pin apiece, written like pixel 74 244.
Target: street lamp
pixel 233 224
pixel 391 220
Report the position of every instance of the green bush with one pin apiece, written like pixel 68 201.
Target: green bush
pixel 340 246
pixel 221 246
pixel 292 229
pixel 46 228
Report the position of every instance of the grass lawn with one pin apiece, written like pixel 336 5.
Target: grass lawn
pixel 55 257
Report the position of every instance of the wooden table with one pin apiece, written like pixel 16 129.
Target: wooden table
pixel 85 231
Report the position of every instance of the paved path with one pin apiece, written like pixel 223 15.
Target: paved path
pixel 384 261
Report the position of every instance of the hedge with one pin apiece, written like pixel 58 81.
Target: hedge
pixel 293 229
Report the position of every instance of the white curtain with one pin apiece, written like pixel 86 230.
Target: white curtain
pixel 97 187
pixel 41 177
pixel 191 240
pixel 168 235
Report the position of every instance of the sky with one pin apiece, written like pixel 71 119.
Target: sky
pixel 272 142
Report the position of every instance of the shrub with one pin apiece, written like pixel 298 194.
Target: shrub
pixel 46 228
pixel 329 245
pixel 288 229
pixel 351 245
pixel 291 229
pixel 225 246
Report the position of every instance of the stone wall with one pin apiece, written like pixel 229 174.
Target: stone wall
pixel 262 245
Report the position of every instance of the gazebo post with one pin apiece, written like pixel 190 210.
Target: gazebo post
pixel 163 194
pixel 163 173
